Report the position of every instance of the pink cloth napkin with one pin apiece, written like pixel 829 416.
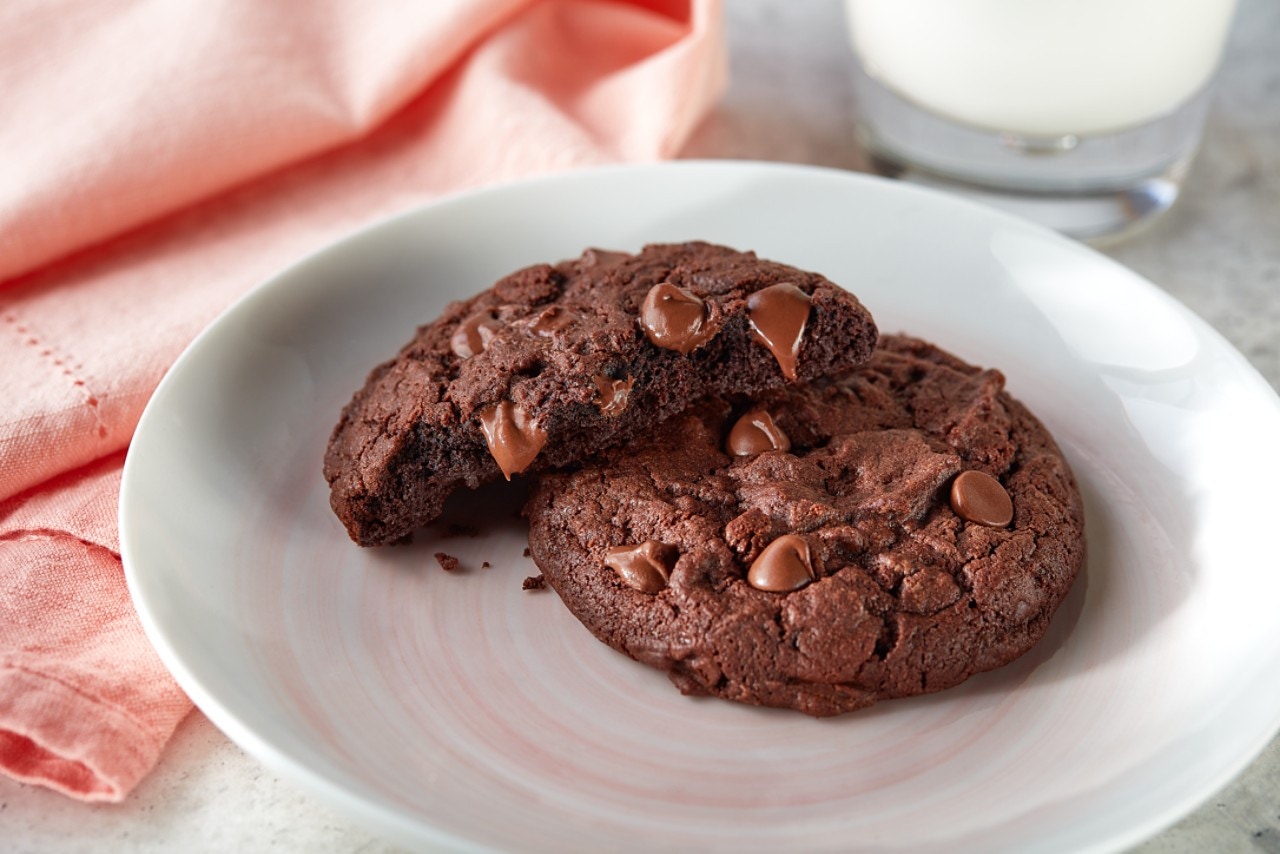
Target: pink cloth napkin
pixel 162 156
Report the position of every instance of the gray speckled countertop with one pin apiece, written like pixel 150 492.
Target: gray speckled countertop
pixel 791 99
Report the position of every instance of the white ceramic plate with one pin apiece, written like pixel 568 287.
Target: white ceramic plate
pixel 457 709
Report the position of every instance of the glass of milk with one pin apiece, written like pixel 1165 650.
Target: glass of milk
pixel 1081 114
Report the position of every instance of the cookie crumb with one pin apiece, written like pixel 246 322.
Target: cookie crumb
pixel 447 561
pixel 533 582
pixel 526 551
pixel 484 565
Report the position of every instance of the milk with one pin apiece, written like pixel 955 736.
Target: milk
pixel 1042 67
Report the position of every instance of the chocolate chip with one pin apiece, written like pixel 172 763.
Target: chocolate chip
pixel 978 497
pixel 756 432
pixel 674 319
pixel 778 316
pixel 613 394
pixel 474 334
pixel 646 567
pixel 603 258
pixel 552 320
pixel 783 566
pixel 514 438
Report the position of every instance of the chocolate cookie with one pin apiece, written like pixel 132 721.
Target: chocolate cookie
pixel 885 533
pixel 556 362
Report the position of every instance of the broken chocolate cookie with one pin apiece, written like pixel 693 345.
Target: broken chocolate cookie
pixel 554 363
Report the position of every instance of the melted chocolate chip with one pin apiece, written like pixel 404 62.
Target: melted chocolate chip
pixel 603 258
pixel 513 437
pixel 978 497
pixel 756 432
pixel 613 394
pixel 778 316
pixel 646 567
pixel 552 320
pixel 674 319
pixel 783 566
pixel 474 334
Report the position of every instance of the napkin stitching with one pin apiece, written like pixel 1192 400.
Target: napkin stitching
pixel 122 712
pixel 57 355
pixel 18 535
pixel 104 767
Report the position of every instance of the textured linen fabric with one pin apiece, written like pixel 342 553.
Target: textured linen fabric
pixel 163 156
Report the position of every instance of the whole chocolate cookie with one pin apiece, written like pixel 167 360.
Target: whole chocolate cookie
pixel 556 362
pixel 884 533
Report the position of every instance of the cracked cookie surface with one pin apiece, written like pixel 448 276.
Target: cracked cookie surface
pixel 834 572
pixel 556 362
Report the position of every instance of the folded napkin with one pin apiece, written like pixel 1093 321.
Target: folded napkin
pixel 161 157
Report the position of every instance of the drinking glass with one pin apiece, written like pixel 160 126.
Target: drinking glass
pixel 1081 114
